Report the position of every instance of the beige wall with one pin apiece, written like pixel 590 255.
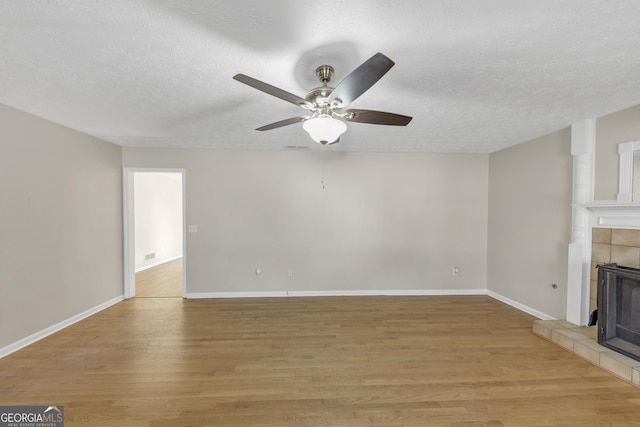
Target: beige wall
pixel 383 221
pixel 530 188
pixel 611 130
pixel 60 224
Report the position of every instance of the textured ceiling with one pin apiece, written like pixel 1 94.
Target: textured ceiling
pixel 477 76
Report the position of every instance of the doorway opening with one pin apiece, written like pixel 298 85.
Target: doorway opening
pixel 154 233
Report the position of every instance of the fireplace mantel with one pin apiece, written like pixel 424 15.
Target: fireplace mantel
pixel 613 214
pixel 588 214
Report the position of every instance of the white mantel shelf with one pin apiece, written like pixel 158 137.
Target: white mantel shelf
pixel 612 214
pixel 598 204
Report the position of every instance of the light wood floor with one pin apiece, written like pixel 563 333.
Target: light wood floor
pixel 161 281
pixel 349 361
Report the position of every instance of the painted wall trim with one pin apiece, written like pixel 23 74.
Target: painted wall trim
pixel 410 292
pixel 583 147
pixel 625 170
pixel 532 311
pixel 336 293
pixel 11 348
pixel 213 295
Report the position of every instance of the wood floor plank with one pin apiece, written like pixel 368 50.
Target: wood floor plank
pixel 332 361
pixel 161 281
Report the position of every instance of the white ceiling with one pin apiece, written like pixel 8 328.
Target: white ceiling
pixel 477 76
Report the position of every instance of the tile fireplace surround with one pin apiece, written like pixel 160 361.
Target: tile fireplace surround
pixel 620 246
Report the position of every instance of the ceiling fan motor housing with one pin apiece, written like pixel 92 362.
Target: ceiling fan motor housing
pixel 319 96
pixel 324 73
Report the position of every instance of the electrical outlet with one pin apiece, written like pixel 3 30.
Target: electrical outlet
pixel 290 273
pixel 259 272
pixel 455 271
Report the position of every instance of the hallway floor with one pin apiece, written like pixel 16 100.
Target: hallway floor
pixel 161 281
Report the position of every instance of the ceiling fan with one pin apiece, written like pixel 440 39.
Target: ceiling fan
pixel 327 105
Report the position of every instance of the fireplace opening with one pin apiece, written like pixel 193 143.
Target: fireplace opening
pixel 619 309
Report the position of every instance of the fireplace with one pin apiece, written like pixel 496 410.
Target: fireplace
pixel 619 309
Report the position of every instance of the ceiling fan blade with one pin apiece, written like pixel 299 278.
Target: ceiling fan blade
pixel 361 79
pixel 281 123
pixel 272 90
pixel 376 117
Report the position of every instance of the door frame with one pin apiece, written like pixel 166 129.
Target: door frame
pixel 129 230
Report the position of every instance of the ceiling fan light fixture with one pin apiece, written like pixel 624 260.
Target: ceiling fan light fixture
pixel 324 129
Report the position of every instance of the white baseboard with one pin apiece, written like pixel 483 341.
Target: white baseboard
pixel 157 263
pixel 409 292
pixel 11 348
pixel 521 307
pixel 335 293
pixel 207 295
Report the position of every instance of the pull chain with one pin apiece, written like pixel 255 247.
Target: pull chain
pixel 322 167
